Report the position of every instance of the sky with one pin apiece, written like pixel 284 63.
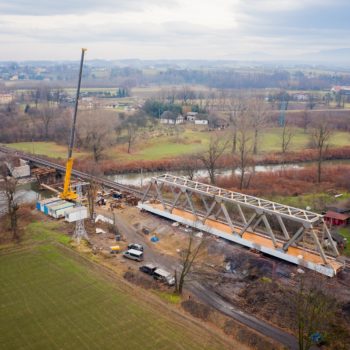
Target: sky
pixel 171 29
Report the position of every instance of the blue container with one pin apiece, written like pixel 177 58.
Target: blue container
pixel 48 205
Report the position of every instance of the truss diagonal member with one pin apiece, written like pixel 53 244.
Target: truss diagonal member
pixel 172 190
pixel 245 227
pixel 269 230
pixel 175 201
pixel 218 212
pixel 330 239
pixel 146 193
pixel 189 201
pixel 227 216
pixel 209 211
pixel 204 202
pixel 159 193
pixel 257 222
pixel 241 214
pixel 318 244
pixel 283 227
pixel 295 238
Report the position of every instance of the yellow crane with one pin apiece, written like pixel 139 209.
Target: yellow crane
pixel 68 193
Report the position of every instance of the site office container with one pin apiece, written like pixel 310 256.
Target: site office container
pixel 40 204
pixel 57 211
pixel 75 214
pixel 52 204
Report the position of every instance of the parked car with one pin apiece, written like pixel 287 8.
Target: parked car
pixel 148 268
pixel 164 276
pixel 136 246
pixel 133 255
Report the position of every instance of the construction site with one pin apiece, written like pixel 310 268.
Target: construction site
pixel 247 239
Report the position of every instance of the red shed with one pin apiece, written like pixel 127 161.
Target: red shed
pixel 337 219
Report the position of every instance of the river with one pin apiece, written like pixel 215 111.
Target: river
pixel 142 178
pixel 27 192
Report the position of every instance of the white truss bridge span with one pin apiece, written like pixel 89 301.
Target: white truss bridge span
pixel 292 234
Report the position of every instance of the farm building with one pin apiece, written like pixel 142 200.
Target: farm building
pixel 337 219
pixel 170 118
pixel 201 122
pixel 191 116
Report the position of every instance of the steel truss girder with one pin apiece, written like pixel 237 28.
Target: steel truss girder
pixel 213 197
pixel 246 201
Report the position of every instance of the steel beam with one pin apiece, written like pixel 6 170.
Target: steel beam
pixel 283 227
pixel 246 226
pixel 296 236
pixel 243 200
pixel 269 230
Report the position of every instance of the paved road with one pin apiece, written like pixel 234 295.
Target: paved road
pixel 208 296
pixel 203 292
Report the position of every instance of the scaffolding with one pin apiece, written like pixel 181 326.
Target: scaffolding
pixel 296 235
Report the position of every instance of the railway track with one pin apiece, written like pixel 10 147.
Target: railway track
pixel 78 174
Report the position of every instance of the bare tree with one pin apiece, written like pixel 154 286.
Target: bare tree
pixel 188 257
pixel 46 115
pixel 95 132
pixel 314 310
pixel 258 114
pixel 244 144
pixel 8 186
pixel 237 105
pixel 131 134
pixel 190 166
pixel 305 119
pixel 287 136
pixel 320 136
pixel 209 158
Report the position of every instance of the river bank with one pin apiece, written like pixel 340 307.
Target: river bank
pixel 227 161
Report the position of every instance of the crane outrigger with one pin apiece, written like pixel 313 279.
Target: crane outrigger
pixel 68 193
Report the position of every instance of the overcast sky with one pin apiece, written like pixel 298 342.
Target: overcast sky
pixel 155 29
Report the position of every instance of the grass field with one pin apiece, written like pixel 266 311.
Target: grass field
pixel 52 298
pixel 50 149
pixel 190 141
pixel 316 201
pixel 345 232
pixel 197 141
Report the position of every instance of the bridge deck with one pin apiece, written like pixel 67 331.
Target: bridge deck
pixel 296 255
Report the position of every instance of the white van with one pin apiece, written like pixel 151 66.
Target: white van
pixel 164 276
pixel 133 254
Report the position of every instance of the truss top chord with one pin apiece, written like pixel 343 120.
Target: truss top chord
pixel 255 203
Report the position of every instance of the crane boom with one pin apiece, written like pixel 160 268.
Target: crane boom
pixel 68 193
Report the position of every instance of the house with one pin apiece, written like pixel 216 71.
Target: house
pixel 201 122
pixel 168 117
pixel 221 123
pixel 300 97
pixel 191 116
pixel 343 90
pixel 6 98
